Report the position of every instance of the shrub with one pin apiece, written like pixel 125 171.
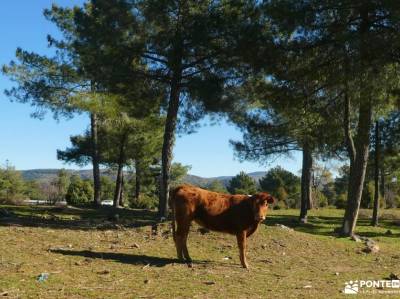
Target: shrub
pixel 280 205
pixel 320 200
pixel 367 197
pixel 341 201
pixel 216 186
pixel 79 192
pixel 145 202
pixel 12 186
pixel 282 184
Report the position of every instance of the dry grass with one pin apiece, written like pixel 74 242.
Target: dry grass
pixel 89 259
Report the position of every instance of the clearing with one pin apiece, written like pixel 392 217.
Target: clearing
pixel 87 256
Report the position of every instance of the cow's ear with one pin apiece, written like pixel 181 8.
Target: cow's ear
pixel 270 199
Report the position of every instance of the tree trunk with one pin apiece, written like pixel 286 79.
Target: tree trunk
pixel 359 153
pixel 376 176
pixel 121 192
pixel 95 159
pixel 137 180
pixel 382 171
pixel 357 169
pixel 117 191
pixel 306 183
pixel 118 183
pixel 168 143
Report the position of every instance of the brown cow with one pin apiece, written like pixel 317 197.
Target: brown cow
pixel 238 215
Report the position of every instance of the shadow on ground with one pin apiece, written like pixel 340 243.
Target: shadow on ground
pixel 132 259
pixel 327 225
pixel 75 218
pixel 105 218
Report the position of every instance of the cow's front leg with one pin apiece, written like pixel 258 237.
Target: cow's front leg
pixel 241 240
pixel 181 240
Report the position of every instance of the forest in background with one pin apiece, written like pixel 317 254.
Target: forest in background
pixel 313 76
pixel 76 187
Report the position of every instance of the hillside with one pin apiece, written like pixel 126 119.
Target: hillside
pixel 49 174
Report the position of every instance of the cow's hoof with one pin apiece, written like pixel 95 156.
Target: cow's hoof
pixel 181 260
pixel 190 264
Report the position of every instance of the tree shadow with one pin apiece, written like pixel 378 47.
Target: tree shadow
pixel 124 258
pixel 132 259
pixel 103 218
pixel 328 225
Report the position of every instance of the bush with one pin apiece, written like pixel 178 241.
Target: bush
pixel 12 201
pixel 12 186
pixel 33 191
pixel 216 186
pixel 279 205
pixel 282 184
pixel 320 200
pixel 341 201
pixel 145 202
pixel 393 201
pixel 79 192
pixel 367 198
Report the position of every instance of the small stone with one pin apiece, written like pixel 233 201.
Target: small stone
pixel 337 273
pixel 104 272
pixel 42 277
pixel 371 248
pixel 284 227
pixel 307 287
pixel 209 283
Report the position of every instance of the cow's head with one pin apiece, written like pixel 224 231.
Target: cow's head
pixel 260 203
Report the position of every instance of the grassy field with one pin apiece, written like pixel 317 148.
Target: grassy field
pixel 87 256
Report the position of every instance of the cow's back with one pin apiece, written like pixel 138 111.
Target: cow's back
pixel 215 211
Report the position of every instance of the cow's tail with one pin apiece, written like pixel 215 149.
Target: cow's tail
pixel 171 200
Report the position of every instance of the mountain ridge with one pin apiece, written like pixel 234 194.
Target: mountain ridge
pixel 46 174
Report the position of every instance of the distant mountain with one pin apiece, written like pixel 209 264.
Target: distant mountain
pixel 200 181
pixel 49 174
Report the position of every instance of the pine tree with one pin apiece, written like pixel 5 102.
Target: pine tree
pixel 242 184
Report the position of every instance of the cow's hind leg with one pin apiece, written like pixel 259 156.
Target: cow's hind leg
pixel 185 249
pixel 182 232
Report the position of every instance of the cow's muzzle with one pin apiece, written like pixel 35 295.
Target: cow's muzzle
pixel 260 218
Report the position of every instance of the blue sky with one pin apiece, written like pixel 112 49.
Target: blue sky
pixel 31 143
